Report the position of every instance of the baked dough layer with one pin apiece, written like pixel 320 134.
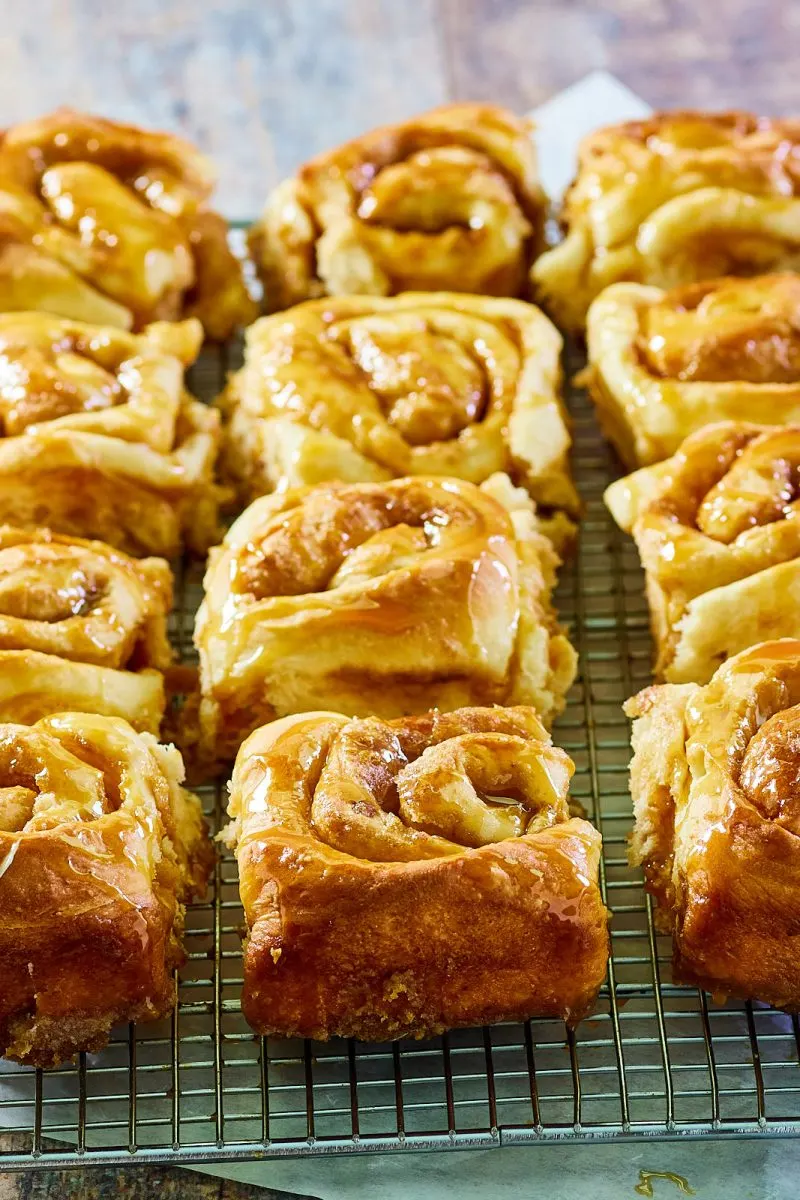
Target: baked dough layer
pixel 400 878
pixel 714 785
pixel 672 199
pixel 664 364
pixel 108 223
pixel 384 599
pixel 100 847
pixel 449 200
pixel 366 389
pixel 718 531
pixel 83 628
pixel 100 439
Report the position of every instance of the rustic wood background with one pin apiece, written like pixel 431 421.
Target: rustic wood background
pixel 263 85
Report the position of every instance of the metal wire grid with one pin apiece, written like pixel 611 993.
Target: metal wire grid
pixel 654 1059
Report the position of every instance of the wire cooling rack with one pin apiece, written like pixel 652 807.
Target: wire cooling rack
pixel 654 1059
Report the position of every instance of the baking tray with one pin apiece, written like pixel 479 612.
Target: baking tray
pixel 655 1059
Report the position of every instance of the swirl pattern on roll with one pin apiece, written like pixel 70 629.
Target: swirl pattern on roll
pixel 447 201
pixel 714 780
pixel 363 389
pixel 673 199
pixel 100 846
pixel 379 599
pixel 82 628
pixel 109 224
pixel 99 436
pixel 412 823
pixel 664 364
pixel 718 532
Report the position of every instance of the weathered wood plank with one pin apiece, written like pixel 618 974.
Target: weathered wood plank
pixel 673 52
pixel 260 87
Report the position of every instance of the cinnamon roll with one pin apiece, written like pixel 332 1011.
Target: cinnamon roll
pixel 718 531
pixel 368 389
pixel 99 437
pixel 714 780
pixel 107 223
pixel 383 599
pixel 83 628
pixel 100 847
pixel 449 200
pixel 663 364
pixel 672 199
pixel 403 877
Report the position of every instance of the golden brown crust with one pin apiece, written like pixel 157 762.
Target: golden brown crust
pixel 107 223
pixel 664 364
pixel 100 847
pixel 83 628
pixel 363 844
pixel 100 438
pixel 718 533
pixel 379 598
pixel 714 781
pixel 365 389
pixel 449 200
pixel 679 197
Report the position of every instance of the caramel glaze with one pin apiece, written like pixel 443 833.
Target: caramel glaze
pixel 100 847
pixel 448 200
pixel 745 330
pixel 679 198
pixel 718 530
pixel 106 222
pixel 378 598
pixel 363 844
pixel 368 388
pixel 99 436
pixel 714 780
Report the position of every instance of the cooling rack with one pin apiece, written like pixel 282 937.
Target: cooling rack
pixel 655 1059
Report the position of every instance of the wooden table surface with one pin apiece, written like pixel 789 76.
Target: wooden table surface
pixel 261 86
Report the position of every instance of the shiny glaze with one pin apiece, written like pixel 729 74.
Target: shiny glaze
pixel 405 790
pixel 64 374
pixel 744 330
pixel 378 598
pixel 718 530
pixel 421 383
pixel 664 364
pixel 447 200
pixel 427 864
pixel 99 847
pixel 82 600
pixel 100 437
pixel 715 786
pixel 103 222
pixel 673 199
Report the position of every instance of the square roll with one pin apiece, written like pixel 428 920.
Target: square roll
pixel 379 598
pixel 447 201
pixel 672 199
pixel 663 364
pixel 108 223
pixel 82 628
pixel 100 848
pixel 100 438
pixel 718 531
pixel 403 877
pixel 714 784
pixel 366 389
